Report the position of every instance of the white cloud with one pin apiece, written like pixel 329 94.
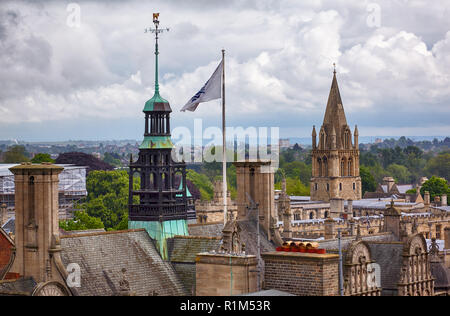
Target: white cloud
pixel 279 57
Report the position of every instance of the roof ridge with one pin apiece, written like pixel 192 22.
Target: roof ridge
pixel 103 233
pixel 197 237
pixel 204 224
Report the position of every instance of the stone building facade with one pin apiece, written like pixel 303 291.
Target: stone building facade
pixel 335 157
pixel 212 211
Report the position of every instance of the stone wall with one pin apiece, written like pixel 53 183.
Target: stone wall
pixel 224 274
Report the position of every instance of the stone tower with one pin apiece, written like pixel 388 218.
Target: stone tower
pixel 158 205
pixel 335 158
pixel 37 227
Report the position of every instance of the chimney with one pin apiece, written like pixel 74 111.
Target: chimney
pixel 349 209
pixel 37 230
pixel 437 201
pixel 392 218
pixel 330 228
pixel 336 207
pixel 426 198
pixel 444 200
pixel 389 182
pixel 447 237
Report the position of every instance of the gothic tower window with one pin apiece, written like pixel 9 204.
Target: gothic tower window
pixel 319 165
pixel 325 166
pixel 350 167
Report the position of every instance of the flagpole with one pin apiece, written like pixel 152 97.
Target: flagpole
pixel 224 155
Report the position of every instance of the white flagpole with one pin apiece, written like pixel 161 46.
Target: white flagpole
pixel 224 153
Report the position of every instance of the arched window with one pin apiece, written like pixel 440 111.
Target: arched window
pixel 319 166
pixel 325 214
pixel 350 167
pixel 311 215
pixel 342 167
pixel 325 166
pixel 340 186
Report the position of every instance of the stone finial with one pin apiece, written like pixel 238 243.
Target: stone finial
pixel 124 285
pixel 434 250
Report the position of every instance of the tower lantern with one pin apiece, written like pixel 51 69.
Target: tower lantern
pixel 159 204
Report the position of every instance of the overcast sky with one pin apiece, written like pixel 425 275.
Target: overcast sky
pixel 60 81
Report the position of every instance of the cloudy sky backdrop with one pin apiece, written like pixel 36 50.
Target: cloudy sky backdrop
pixel 59 81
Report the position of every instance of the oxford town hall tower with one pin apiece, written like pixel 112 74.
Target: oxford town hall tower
pixel 335 158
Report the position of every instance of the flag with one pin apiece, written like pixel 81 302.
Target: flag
pixel 210 91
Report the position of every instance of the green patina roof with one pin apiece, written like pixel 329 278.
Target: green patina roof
pixel 156 142
pixel 188 194
pixel 156 100
pixel 160 231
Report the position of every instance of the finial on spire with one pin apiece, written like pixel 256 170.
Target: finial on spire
pixel 156 30
pixel 334 66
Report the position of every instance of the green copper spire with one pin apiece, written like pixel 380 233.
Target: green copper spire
pixel 150 104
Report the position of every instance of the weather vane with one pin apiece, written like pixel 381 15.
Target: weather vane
pixel 156 30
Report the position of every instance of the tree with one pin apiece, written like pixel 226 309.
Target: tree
pixel 436 186
pixel 439 166
pixel 39 158
pixel 294 187
pixel 367 180
pixel 202 182
pixel 399 172
pixel 298 170
pixel 16 154
pixel 113 159
pixel 81 221
pixel 108 197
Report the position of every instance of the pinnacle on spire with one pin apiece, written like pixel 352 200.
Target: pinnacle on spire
pixel 314 134
pixel 356 133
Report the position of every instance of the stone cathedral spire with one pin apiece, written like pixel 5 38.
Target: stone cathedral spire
pixel 335 158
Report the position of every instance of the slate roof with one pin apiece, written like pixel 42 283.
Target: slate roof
pixel 389 257
pixel 10 226
pixel 209 229
pixel 101 257
pixel 19 287
pixel 332 244
pixel 248 235
pixel 441 275
pixel 185 248
pixel 269 293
